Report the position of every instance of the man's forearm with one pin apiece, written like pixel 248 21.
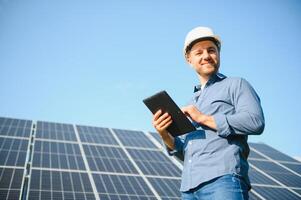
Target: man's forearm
pixel 194 114
pixel 168 140
pixel 208 121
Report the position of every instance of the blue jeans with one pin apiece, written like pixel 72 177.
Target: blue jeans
pixel 227 187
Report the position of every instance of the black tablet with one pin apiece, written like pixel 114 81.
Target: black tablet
pixel 163 101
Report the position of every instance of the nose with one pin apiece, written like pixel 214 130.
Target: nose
pixel 206 55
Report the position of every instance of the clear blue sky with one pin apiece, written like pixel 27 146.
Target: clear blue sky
pixel 92 62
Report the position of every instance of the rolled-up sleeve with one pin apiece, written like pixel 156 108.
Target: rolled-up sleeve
pixel 248 118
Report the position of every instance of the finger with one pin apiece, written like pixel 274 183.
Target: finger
pixel 162 118
pixel 155 117
pixel 157 114
pixel 184 109
pixel 166 120
pixel 163 127
pixel 158 121
pixel 167 125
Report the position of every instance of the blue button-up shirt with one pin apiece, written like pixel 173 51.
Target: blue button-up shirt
pixel 208 154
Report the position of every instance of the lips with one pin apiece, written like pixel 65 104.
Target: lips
pixel 207 64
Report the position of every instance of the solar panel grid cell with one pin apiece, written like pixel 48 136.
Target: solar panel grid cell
pixel 134 139
pixel 167 188
pixel 259 178
pixel 108 159
pixel 271 152
pixel 13 151
pixel 10 183
pixel 298 191
pixel 279 173
pixel 57 155
pixel 276 155
pixel 276 193
pixel 121 187
pixel 254 155
pixel 15 127
pixel 252 196
pixel 154 163
pixel 293 166
pixel 55 131
pixel 96 135
pixel 157 137
pixel 47 184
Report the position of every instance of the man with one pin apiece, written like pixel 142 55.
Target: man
pixel 225 111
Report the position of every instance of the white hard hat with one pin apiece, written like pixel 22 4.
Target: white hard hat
pixel 198 34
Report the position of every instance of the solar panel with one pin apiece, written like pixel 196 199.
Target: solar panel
pixel 108 159
pixel 134 138
pixel 279 173
pixel 252 196
pixel 271 152
pixel 13 151
pixel 14 147
pixel 275 193
pixel 55 131
pixel 154 163
pixel 258 178
pixel 65 161
pixel 254 155
pixel 50 154
pixel 298 191
pixel 167 188
pixel 10 183
pixel 157 137
pixel 293 166
pixel 15 127
pixel 96 135
pixel 122 187
pixel 48 184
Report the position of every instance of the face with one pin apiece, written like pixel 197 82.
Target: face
pixel 204 58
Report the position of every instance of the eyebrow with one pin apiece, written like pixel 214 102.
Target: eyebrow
pixel 210 47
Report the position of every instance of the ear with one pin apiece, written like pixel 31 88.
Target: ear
pixel 188 60
pixel 189 63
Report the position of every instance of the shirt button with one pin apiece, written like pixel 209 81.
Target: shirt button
pixel 189 161
pixel 190 142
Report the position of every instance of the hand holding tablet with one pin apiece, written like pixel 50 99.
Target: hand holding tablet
pixel 161 100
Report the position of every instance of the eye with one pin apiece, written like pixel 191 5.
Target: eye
pixel 198 53
pixel 211 50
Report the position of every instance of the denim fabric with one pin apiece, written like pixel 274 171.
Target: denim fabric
pixel 207 153
pixel 227 187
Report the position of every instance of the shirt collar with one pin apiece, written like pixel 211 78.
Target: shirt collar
pixel 216 77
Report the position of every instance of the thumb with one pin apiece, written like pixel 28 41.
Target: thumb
pixel 184 109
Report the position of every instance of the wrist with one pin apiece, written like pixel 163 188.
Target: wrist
pixel 208 121
pixel 203 119
pixel 164 135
